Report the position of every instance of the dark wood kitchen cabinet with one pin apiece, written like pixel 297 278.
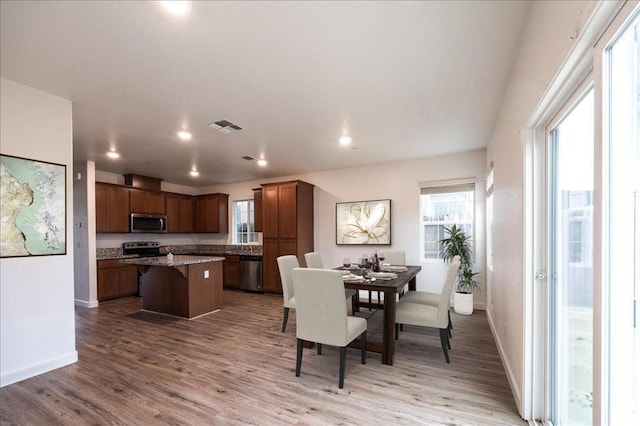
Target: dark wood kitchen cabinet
pixel 232 271
pixel 272 248
pixel 112 208
pixel 116 280
pixel 257 209
pixel 287 226
pixel 212 213
pixel 180 213
pixel 149 202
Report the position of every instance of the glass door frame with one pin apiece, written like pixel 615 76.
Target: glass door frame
pixel 549 249
pixel 602 344
pixel 577 65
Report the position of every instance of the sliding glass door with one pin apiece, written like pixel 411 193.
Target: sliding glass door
pixel 571 141
pixel 622 222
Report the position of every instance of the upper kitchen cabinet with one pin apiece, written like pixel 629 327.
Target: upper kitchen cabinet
pixel 287 209
pixel 179 211
pixel 112 208
pixel 212 213
pixel 257 209
pixel 287 226
pixel 270 211
pixel 150 202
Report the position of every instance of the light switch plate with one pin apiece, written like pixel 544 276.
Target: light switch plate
pixel 206 273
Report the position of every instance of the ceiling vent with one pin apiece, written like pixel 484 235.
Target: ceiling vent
pixel 224 126
pixel 247 157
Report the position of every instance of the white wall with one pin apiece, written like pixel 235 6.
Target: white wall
pixel 397 181
pixel 546 42
pixel 84 231
pixel 37 326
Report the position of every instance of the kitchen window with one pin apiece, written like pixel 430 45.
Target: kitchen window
pixel 442 206
pixel 244 230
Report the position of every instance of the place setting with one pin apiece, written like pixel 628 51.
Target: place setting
pixel 347 274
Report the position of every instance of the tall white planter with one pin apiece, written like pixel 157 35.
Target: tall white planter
pixel 463 303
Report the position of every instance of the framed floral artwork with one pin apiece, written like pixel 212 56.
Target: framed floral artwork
pixel 363 222
pixel 33 208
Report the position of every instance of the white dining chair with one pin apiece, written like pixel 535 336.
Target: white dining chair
pixel 321 315
pixel 391 257
pixel 394 257
pixel 314 260
pixel 431 299
pixel 430 316
pixel 286 265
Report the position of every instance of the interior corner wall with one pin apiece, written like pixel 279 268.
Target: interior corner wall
pixel 37 319
pixel 546 42
pixel 84 232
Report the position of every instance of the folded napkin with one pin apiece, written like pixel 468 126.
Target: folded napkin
pixel 352 277
pixel 383 275
pixel 394 268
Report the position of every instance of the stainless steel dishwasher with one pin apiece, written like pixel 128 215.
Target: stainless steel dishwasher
pixel 251 272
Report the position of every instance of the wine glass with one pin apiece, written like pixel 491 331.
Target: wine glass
pixel 361 264
pixel 381 257
pixel 346 262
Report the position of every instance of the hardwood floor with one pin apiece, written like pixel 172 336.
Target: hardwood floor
pixel 234 366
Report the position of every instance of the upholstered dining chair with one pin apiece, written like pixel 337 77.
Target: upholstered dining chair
pixel 392 257
pixel 430 316
pixel 321 315
pixel 286 265
pixel 314 260
pixel 431 299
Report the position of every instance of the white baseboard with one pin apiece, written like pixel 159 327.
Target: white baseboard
pixel 86 303
pixel 517 396
pixel 34 370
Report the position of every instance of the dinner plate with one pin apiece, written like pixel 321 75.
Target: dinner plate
pixel 383 275
pixel 394 268
pixel 352 277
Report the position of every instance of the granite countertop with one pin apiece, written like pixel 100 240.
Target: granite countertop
pixel 178 260
pixel 202 249
pixel 116 256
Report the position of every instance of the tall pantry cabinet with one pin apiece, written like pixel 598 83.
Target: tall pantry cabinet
pixel 287 227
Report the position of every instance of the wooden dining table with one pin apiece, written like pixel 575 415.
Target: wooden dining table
pixel 390 288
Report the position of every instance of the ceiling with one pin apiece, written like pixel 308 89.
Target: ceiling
pixel 403 79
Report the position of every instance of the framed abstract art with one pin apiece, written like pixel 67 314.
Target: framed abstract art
pixel 363 222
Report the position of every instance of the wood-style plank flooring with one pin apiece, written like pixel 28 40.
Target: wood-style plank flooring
pixel 234 366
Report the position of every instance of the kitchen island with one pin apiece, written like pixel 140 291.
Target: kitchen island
pixel 184 286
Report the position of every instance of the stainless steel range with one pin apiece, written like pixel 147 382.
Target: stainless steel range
pixel 142 249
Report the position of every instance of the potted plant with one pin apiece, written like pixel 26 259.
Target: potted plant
pixel 458 243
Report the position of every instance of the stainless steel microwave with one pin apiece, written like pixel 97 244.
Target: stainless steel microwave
pixel 156 223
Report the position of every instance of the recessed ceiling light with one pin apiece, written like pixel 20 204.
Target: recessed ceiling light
pixel 113 154
pixel 194 173
pixel 262 162
pixel 184 135
pixel 345 140
pixel 177 7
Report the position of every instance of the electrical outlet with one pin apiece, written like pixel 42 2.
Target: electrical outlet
pixel 206 273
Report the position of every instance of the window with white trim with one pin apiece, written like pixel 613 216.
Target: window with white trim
pixel 442 206
pixel 244 230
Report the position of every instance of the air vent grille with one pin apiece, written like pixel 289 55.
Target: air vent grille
pixel 247 157
pixel 224 126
